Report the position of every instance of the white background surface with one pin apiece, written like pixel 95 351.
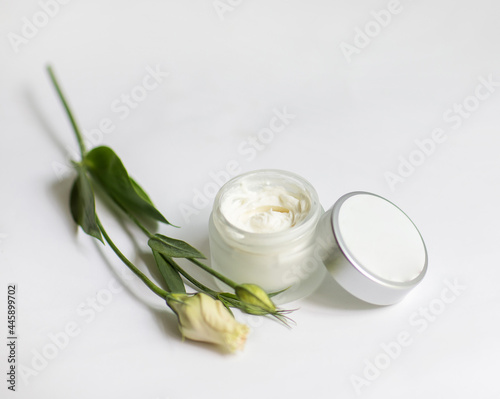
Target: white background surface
pixel 227 74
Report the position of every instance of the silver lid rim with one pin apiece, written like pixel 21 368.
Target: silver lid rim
pixel 381 291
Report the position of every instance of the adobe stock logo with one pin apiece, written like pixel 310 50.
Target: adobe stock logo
pixel 58 341
pixel 419 321
pixel 363 37
pixel 249 149
pixel 454 116
pixel 122 106
pixel 30 27
pixel 223 7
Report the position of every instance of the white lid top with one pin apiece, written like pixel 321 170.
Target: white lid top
pixel 372 248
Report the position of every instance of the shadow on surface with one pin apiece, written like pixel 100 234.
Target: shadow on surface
pixel 331 294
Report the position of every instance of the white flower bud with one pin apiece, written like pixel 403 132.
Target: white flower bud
pixel 202 318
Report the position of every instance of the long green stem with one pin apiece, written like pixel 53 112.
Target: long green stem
pixel 214 273
pixel 208 269
pixel 188 277
pixel 79 137
pixel 152 286
pixel 138 223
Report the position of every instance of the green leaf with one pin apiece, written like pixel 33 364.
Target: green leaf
pixel 172 277
pixel 173 248
pixel 82 205
pixel 105 166
pixel 138 189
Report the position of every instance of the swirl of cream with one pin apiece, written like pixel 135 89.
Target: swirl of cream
pixel 264 208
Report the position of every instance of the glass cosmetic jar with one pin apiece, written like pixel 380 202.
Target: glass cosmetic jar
pixel 268 228
pixel 262 230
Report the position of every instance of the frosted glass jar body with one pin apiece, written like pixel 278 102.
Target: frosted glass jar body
pixel 274 260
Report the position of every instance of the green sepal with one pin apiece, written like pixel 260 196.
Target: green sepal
pixel 271 294
pixel 82 205
pixel 233 301
pixel 173 248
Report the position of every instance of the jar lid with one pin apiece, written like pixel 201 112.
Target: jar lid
pixel 372 248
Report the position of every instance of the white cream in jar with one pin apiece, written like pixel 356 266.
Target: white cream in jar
pixel 263 208
pixel 263 230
